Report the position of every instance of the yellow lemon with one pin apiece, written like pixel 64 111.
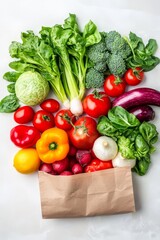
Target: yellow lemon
pixel 26 160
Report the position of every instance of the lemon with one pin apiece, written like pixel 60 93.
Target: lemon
pixel 26 160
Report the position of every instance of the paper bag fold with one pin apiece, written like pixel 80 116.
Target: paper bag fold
pixel 88 194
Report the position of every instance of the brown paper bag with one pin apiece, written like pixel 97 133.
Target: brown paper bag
pixel 88 194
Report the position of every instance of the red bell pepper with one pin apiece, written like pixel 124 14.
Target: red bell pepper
pixel 96 165
pixel 24 136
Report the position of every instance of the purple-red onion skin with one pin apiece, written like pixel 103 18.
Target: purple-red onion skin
pixel 137 97
pixel 143 113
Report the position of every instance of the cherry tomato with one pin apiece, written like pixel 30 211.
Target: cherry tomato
pixel 134 76
pixel 50 105
pixel 23 115
pixel 96 104
pixel 84 133
pixel 43 120
pixel 114 86
pixel 64 119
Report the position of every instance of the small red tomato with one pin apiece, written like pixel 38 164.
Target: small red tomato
pixel 114 86
pixel 64 119
pixel 50 105
pixel 96 104
pixel 134 76
pixel 23 115
pixel 43 120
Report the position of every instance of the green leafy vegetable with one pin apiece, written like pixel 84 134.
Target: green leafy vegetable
pixel 9 104
pixel 122 119
pixel 11 88
pixel 11 76
pixel 135 140
pixel 142 56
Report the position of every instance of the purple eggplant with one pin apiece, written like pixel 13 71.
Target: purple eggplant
pixel 138 97
pixel 143 113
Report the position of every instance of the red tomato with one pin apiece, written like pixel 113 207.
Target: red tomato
pixel 23 115
pixel 84 133
pixel 114 86
pixel 43 120
pixel 96 104
pixel 64 119
pixel 134 76
pixel 50 105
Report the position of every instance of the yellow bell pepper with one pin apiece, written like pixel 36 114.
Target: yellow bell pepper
pixel 53 145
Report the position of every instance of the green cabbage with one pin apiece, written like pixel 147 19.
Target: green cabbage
pixel 31 88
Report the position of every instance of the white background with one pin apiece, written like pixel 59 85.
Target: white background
pixel 20 211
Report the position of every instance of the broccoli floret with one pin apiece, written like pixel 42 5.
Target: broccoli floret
pixel 98 52
pixel 116 44
pixel 94 79
pixel 116 65
pixel 100 66
pixel 110 38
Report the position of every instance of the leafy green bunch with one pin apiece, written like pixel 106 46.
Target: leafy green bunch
pixel 135 140
pixel 58 53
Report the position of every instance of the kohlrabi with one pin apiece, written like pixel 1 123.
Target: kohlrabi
pixel 31 88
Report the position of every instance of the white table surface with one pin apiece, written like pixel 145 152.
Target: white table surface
pixel 20 212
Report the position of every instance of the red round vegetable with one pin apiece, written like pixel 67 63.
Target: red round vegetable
pixel 84 133
pixel 83 157
pixel 60 166
pixel 66 173
pixel 24 136
pixel 114 86
pixel 43 120
pixel 46 167
pixel 134 76
pixel 77 168
pixel 23 114
pixel 96 104
pixel 50 105
pixel 64 119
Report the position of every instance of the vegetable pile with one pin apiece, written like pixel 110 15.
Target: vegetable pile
pixel 91 122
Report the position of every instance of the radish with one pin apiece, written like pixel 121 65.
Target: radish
pixel 66 173
pixel 72 151
pixel 72 161
pixel 46 167
pixel 83 157
pixel 77 168
pixel 60 166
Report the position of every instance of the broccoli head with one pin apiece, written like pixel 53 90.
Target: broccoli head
pixel 116 44
pixel 116 65
pixel 94 79
pixel 110 38
pixel 100 66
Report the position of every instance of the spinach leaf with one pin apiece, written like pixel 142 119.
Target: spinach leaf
pixel 11 76
pixel 142 165
pixel 141 147
pixel 142 56
pixel 9 104
pixel 11 88
pixel 122 119
pixel 149 132
pixel 105 127
pixel 151 47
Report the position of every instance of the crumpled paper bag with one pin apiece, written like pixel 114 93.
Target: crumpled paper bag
pixel 88 194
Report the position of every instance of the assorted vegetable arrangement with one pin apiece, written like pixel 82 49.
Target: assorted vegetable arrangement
pixel 81 131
